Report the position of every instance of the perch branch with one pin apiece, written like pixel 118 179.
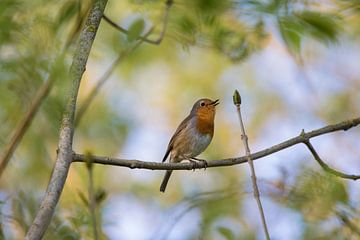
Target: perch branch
pixel 145 38
pixel 64 157
pixel 244 138
pixel 345 125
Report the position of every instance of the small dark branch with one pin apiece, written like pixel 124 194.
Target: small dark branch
pixel 325 166
pixel 222 162
pixel 244 138
pixel 24 124
pixel 121 29
pixel 104 78
pixel 145 38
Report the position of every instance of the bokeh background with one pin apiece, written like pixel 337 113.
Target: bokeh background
pixel 295 63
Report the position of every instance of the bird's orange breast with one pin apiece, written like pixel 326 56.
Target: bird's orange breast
pixel 205 122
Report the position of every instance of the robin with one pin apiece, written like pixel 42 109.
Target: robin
pixel 192 136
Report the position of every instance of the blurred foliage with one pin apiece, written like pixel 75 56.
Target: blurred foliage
pixel 152 89
pixel 317 194
pixel 318 197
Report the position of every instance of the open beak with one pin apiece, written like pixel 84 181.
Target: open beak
pixel 216 102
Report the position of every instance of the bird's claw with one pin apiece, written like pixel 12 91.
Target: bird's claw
pixel 196 161
pixel 205 163
pixel 194 164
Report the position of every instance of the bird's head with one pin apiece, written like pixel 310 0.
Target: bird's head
pixel 205 108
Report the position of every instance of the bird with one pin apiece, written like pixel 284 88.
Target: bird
pixel 192 136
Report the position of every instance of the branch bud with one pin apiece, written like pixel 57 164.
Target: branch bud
pixel 236 98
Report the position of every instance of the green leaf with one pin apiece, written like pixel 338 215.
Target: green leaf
pixel 291 31
pixel 323 26
pixel 136 28
pixel 226 233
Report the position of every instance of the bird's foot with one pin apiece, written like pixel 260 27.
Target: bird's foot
pixel 194 164
pixel 197 160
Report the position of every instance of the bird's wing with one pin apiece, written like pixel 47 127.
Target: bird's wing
pixel 178 131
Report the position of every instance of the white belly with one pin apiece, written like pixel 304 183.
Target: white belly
pixel 199 144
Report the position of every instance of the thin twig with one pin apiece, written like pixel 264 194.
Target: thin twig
pixel 104 78
pixel 244 138
pixel 325 166
pixel 65 153
pixel 91 196
pixel 345 125
pixel 145 38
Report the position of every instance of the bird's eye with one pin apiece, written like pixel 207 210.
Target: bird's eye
pixel 202 104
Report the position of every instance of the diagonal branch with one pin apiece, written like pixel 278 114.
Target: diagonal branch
pixel 64 157
pixel 121 56
pixel 325 166
pixel 104 78
pixel 145 38
pixel 345 125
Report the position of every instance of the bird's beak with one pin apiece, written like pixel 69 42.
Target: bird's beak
pixel 216 102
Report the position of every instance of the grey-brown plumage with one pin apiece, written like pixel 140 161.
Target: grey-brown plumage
pixel 192 136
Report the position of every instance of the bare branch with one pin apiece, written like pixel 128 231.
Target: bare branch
pixel 345 125
pixel 104 78
pixel 64 157
pixel 244 138
pixel 326 167
pixel 145 38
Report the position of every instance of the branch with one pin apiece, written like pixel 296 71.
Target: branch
pixel 244 138
pixel 345 125
pixel 168 5
pixel 325 166
pixel 64 157
pixel 104 78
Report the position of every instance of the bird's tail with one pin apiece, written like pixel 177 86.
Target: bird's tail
pixel 165 180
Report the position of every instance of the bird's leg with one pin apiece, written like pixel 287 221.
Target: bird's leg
pixel 201 160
